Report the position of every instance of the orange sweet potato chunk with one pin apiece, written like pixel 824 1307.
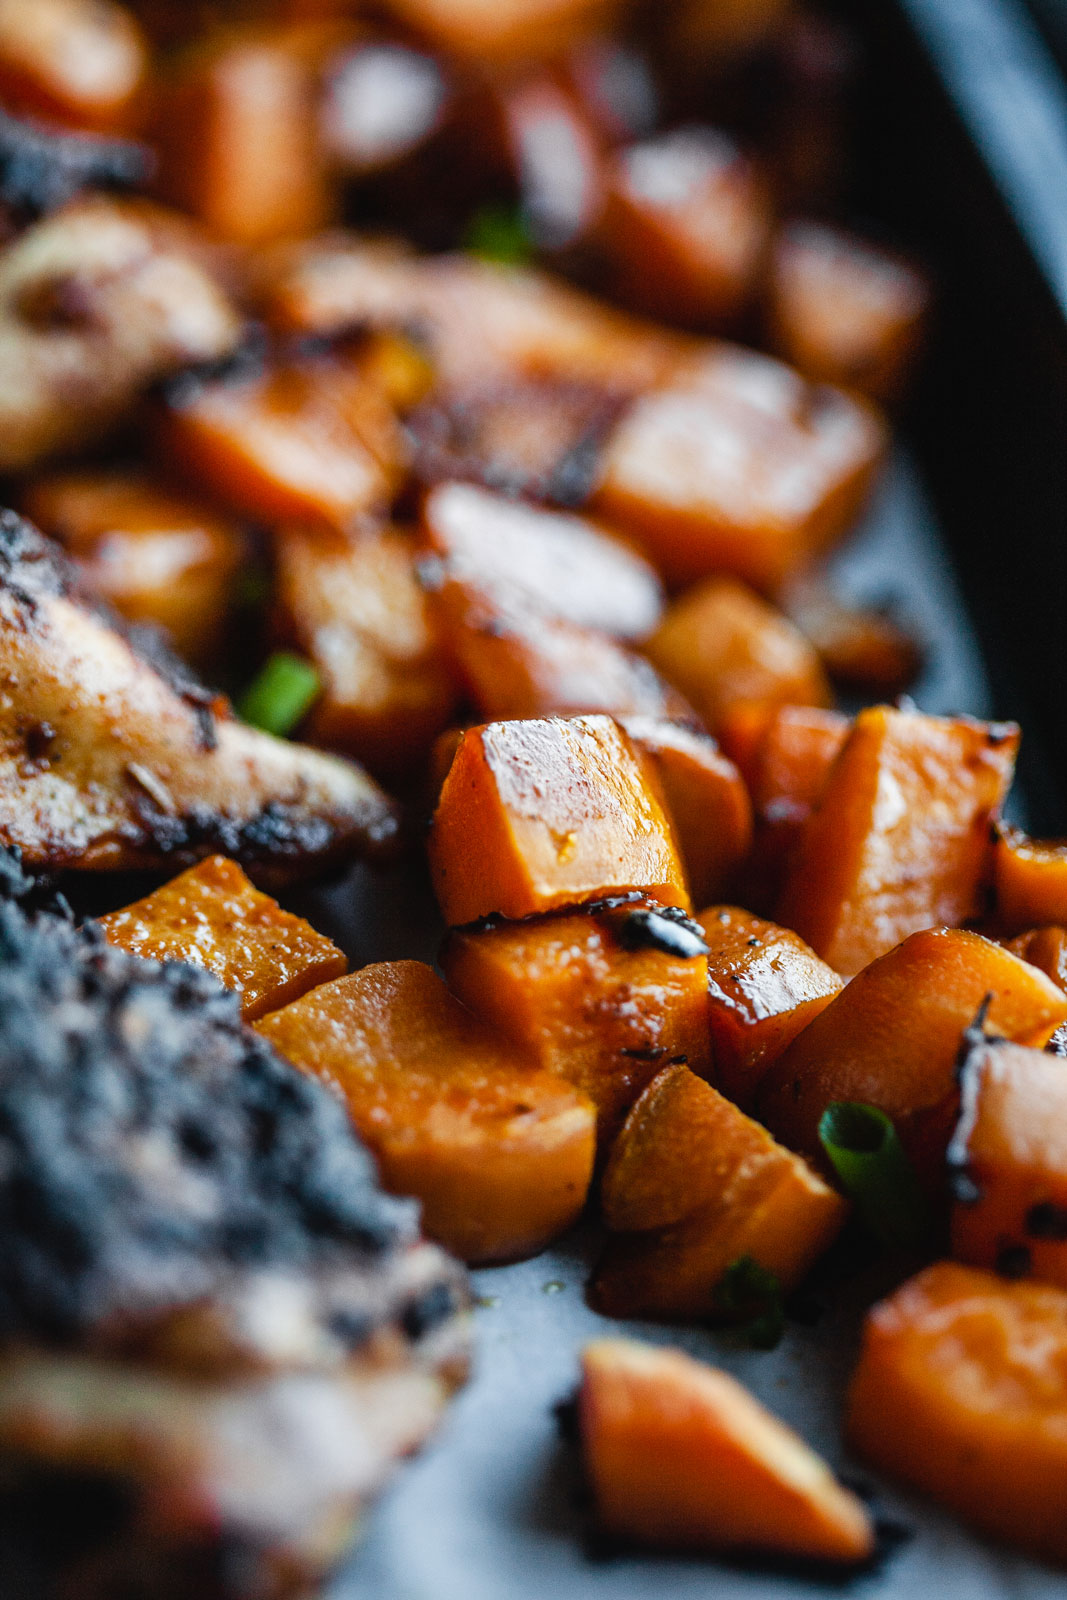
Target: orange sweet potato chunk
pixel 155 555
pixel 891 1038
pixel 974 1369
pixel 738 467
pixel 685 227
pixel 722 646
pixel 526 559
pixel 312 442
pixel 1045 948
pixel 355 609
pixel 587 996
pixel 502 30
pixel 681 1456
pixel 693 1186
pixel 844 311
pixel 237 132
pixel 764 986
pixel 1008 1160
pixel 706 798
pixel 900 839
pixel 79 62
pixel 547 813
pixel 212 916
pixel 499 1153
pixel 1029 879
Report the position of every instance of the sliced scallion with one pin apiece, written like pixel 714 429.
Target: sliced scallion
pixel 868 1157
pixel 281 695
pixel 500 234
pixel 751 1297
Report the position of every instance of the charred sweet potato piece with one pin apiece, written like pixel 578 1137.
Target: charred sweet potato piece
pixel 900 837
pixel 721 645
pixel 523 559
pixel 681 1456
pixel 1045 948
pixel 685 227
pixel 355 610
pixel 764 986
pixel 506 30
pixel 313 442
pixel 590 995
pixel 155 555
pixel 1029 879
pixel 862 649
pixel 974 1368
pixel 213 917
pixel 738 466
pixel 706 798
pixel 515 665
pixel 891 1037
pixel 237 131
pixel 693 1186
pixel 499 1153
pixel 541 814
pixel 1008 1160
pixel 80 62
pixel 539 439
pixel 844 311
pixel 98 300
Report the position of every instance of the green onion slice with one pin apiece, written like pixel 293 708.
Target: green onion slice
pixel 281 695
pixel 751 1297
pixel 499 233
pixel 868 1157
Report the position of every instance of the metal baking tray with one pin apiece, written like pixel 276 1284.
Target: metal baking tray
pixel 963 154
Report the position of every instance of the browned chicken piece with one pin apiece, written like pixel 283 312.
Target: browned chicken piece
pixel 481 322
pixel 96 302
pixel 217 1335
pixel 112 759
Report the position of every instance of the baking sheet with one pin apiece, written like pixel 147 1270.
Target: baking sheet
pixel 491 1511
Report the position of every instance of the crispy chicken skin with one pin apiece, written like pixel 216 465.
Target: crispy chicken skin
pixel 216 1332
pixel 96 302
pixel 110 757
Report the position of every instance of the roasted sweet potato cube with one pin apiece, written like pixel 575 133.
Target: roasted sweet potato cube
pixel 863 649
pixel 764 986
pixel 499 1153
pixel 891 1038
pixel 381 102
pixel 313 442
pixel 900 838
pixel 685 227
pixel 721 646
pixel 973 1370
pixel 740 467
pixel 80 62
pixel 693 1186
pixel 1008 1160
pixel 155 555
pixel 354 608
pixel 1029 879
pixel 504 30
pixel 1045 948
pixel 547 813
pixel 211 916
pixel 238 135
pixel 842 310
pixel 525 560
pixel 791 760
pixel 589 996
pixel 528 666
pixel 552 155
pixel 706 798
pixel 703 34
pixel 681 1456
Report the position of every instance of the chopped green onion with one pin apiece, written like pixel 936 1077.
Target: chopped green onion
pixel 499 233
pixel 868 1157
pixel 751 1296
pixel 281 695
